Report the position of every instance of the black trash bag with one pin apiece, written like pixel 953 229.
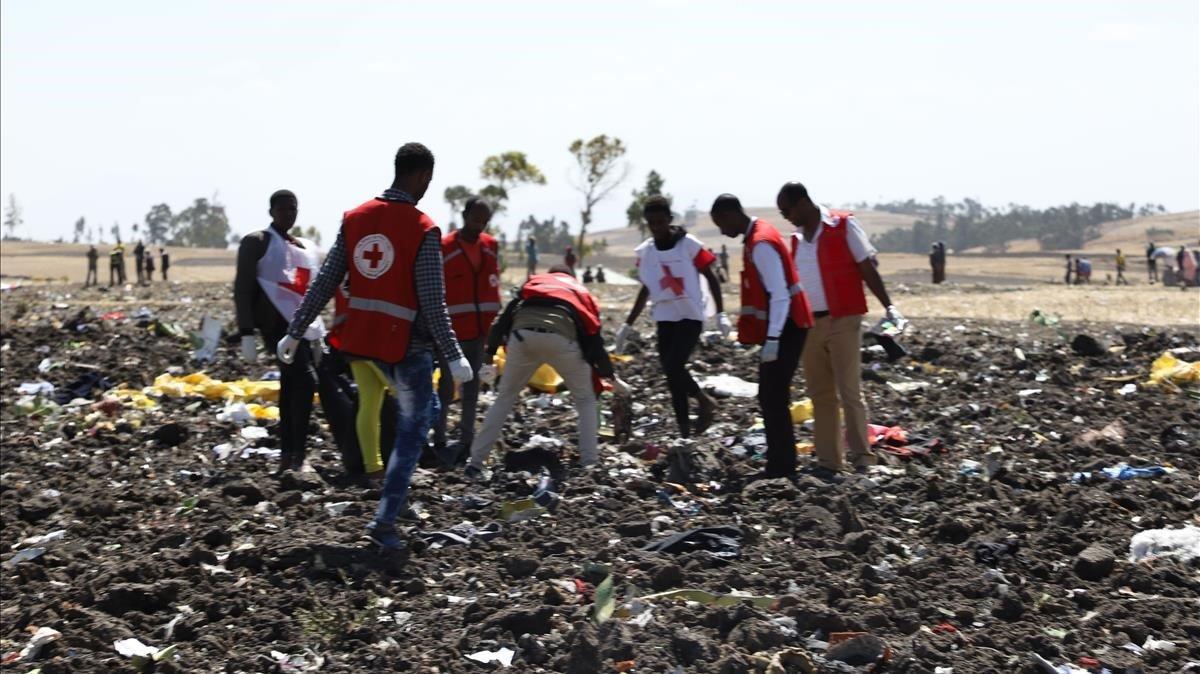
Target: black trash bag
pixel 724 542
pixel 992 553
pixel 81 388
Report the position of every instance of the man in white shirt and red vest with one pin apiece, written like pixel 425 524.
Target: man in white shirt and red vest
pixel 775 315
pixel 273 272
pixel 675 270
pixel 470 258
pixel 389 255
pixel 834 259
pixel 554 321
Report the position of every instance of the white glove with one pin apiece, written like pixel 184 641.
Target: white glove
pixel 770 351
pixel 622 335
pixel 462 371
pixel 897 319
pixel 286 350
pixel 724 325
pixel 487 374
pixel 249 348
pixel 619 386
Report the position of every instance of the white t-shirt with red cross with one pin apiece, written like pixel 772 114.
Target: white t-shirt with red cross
pixel 673 280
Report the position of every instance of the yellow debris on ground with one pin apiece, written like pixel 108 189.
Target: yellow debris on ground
pixel 802 410
pixel 201 385
pixel 1171 373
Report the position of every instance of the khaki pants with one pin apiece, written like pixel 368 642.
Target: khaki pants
pixel 526 351
pixel 833 373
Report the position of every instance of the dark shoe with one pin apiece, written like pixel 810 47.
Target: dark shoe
pixel 705 418
pixel 410 514
pixel 386 537
pixel 825 474
pixel 473 474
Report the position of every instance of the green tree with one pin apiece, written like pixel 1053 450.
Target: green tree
pixel 80 226
pixel 456 196
pixel 504 171
pixel 654 185
pixel 601 170
pixel 201 225
pixel 158 223
pixel 12 216
pixel 311 233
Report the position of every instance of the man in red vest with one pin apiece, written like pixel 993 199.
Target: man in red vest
pixel 389 254
pixel 834 258
pixel 774 314
pixel 470 257
pixel 554 321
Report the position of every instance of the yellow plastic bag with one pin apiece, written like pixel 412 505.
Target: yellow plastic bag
pixel 802 410
pixel 201 385
pixel 1170 372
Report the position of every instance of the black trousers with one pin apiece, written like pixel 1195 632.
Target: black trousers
pixel 676 341
pixel 297 383
pixel 774 400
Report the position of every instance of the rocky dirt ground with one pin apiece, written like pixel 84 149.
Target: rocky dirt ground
pixel 981 556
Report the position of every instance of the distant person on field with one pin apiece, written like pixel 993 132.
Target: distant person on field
pixel 116 265
pixel 600 278
pixel 165 258
pixel 1121 280
pixel 570 259
pixel 724 258
pixel 139 261
pixel 1070 269
pixel 531 257
pixel 1083 271
pixel 1151 262
pixel 93 275
pixel 1187 267
pixel 588 277
pixel 149 257
pixel 937 261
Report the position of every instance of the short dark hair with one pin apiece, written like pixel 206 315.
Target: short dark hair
pixel 413 157
pixel 793 192
pixel 280 195
pixel 726 203
pixel 657 204
pixel 473 201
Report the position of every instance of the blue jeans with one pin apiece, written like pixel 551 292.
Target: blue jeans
pixel 416 408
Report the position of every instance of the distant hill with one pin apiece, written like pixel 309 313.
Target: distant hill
pixel 1130 235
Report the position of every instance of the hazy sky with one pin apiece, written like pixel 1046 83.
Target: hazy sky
pixel 110 107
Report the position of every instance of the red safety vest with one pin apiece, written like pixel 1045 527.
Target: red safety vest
pixel 472 295
pixel 564 288
pixel 840 277
pixel 341 307
pixel 381 241
pixel 753 316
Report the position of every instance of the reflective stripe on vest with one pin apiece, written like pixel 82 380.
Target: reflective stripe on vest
pixel 483 307
pixel 751 311
pixel 383 307
pixel 451 256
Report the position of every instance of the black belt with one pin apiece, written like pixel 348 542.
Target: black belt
pixel 820 314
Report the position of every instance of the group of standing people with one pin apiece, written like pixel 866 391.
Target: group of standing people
pixel 143 263
pixel 408 299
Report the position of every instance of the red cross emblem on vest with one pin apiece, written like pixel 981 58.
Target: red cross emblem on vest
pixel 299 282
pixel 373 255
pixel 672 283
